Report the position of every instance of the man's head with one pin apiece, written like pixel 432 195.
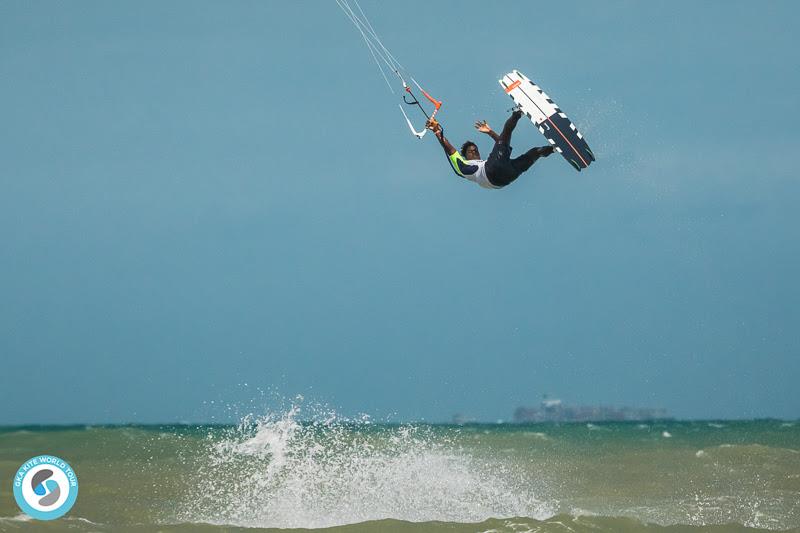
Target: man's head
pixel 470 150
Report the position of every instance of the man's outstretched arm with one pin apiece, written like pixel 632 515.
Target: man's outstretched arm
pixel 436 128
pixel 483 127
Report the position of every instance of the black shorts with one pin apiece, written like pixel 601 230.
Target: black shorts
pixel 500 169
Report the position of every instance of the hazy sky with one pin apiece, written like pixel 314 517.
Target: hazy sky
pixel 200 200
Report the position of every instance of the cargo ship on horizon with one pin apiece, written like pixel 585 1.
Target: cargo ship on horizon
pixel 554 410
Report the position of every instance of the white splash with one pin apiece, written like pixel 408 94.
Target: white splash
pixel 278 472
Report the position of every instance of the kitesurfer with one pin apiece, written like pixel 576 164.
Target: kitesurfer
pixel 499 169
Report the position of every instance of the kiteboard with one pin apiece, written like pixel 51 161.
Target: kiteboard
pixel 560 132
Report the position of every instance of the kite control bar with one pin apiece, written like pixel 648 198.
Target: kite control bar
pixel 430 118
pixel 415 101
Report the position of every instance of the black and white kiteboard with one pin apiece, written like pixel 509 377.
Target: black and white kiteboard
pixel 551 121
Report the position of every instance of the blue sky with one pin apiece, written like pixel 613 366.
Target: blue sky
pixel 203 200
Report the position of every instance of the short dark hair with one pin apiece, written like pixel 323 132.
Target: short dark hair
pixel 467 145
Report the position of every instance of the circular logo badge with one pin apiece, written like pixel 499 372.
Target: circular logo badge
pixel 45 487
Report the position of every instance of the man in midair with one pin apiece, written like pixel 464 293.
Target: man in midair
pixel 499 169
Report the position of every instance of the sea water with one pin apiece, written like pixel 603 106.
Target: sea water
pixel 279 471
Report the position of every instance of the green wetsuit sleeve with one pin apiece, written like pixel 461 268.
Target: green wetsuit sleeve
pixel 455 157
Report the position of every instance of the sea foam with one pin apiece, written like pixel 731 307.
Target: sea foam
pixel 274 471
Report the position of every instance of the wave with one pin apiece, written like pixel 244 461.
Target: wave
pixel 753 449
pixel 561 523
pixel 276 472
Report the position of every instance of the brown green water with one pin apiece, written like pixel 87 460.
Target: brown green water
pixel 279 474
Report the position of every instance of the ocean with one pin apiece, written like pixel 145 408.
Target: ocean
pixel 278 472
